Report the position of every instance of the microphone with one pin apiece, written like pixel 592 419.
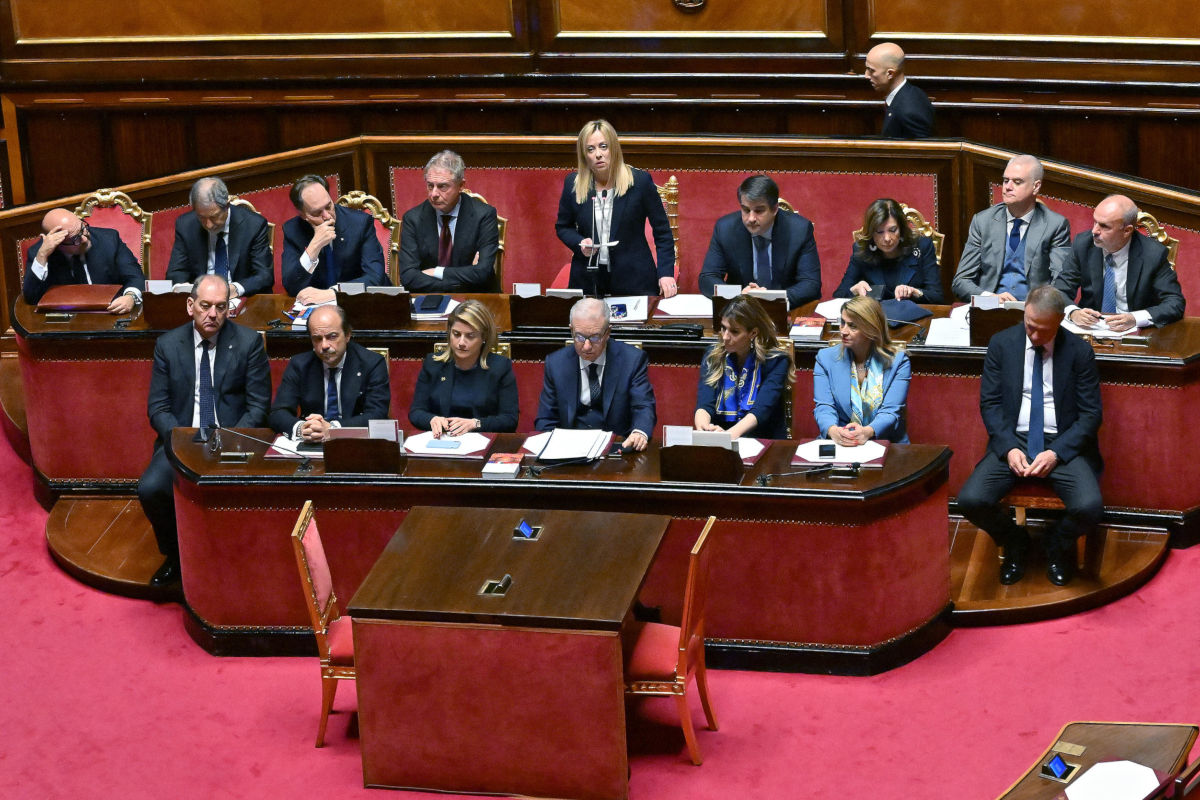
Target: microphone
pixel 918 338
pixel 851 471
pixel 214 445
pixel 591 264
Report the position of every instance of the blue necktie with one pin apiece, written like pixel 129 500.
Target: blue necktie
pixel 762 264
pixel 1109 304
pixel 208 412
pixel 221 257
pixel 1037 407
pixel 1014 236
pixel 331 397
pixel 331 272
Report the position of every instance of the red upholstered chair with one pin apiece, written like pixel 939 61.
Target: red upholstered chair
pixel 916 221
pixel 1157 232
pixel 108 208
pixel 501 230
pixel 661 657
pixel 387 228
pixel 335 642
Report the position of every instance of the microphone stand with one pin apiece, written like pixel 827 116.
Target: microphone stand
pixel 214 445
pixel 852 471
pixel 593 265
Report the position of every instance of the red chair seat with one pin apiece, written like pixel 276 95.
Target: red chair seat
pixel 654 654
pixel 341 643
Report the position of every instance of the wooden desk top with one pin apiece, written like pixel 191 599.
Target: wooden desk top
pixel 583 572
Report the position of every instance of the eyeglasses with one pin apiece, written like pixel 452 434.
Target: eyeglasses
pixel 77 237
pixel 594 339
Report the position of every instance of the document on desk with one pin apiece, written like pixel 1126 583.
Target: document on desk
pixel 685 305
pixel 831 309
pixel 1113 780
pixel 948 332
pixel 1098 331
pixel 469 445
pixel 564 443
pixel 868 454
pixel 285 447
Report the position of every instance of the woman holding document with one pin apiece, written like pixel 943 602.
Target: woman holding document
pixel 606 200
pixel 894 257
pixel 860 386
pixel 745 376
pixel 466 387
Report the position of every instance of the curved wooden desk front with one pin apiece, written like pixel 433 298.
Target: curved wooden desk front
pixel 840 575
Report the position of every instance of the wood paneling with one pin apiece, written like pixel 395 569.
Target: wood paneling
pixel 221 136
pixel 149 145
pixel 299 128
pixel 64 152
pixel 718 19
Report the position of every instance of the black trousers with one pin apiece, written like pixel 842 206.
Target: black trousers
pixel 157 496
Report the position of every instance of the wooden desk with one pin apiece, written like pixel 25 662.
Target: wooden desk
pixel 521 694
pixel 843 575
pixel 1163 748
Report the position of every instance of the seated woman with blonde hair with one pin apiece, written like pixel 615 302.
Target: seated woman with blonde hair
pixel 467 387
pixel 861 385
pixel 745 375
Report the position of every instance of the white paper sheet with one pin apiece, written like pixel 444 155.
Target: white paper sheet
pixel 563 443
pixel 1099 331
pixel 687 305
pixel 831 309
pixel 809 451
pixel 1113 780
pixel 469 443
pixel 726 291
pixel 948 332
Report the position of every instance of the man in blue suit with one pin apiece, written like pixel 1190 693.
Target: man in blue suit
pixel 909 113
pixel 597 384
pixel 1040 402
pixel 327 244
pixel 71 251
pixel 217 238
pixel 337 384
pixel 207 373
pixel 761 247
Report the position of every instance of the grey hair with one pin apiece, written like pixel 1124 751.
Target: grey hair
pixel 450 161
pixel 590 307
pixel 210 191
pixel 1035 167
pixel 1047 298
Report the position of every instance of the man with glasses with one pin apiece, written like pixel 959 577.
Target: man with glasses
pixel 597 383
pixel 215 238
pixel 206 374
pixel 71 252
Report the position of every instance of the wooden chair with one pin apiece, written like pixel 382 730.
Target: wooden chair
pixel 370 204
pixel 501 348
pixel 669 193
pixel 109 208
pixel 1157 232
pixel 335 641
pixel 916 221
pixel 662 657
pixel 501 230
pixel 1027 494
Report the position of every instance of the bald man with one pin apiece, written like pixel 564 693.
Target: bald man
pixel 909 112
pixel 70 251
pixel 1125 277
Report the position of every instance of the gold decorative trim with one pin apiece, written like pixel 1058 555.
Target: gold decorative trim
pixel 689 6
pixel 886 36
pixel 107 198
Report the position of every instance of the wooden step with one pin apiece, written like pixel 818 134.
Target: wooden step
pixel 12 401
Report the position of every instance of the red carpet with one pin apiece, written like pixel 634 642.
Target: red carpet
pixel 111 699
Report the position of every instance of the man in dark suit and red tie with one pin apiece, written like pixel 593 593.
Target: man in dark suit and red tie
pixel 763 247
pixel 909 113
pixel 71 251
pixel 1040 402
pixel 215 238
pixel 337 384
pixel 1124 275
pixel 327 244
pixel 449 242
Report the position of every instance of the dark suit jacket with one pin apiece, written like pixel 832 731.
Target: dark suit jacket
pixel 1047 252
pixel 474 233
pixel 768 406
pixel 795 265
pixel 249 249
pixel 241 379
pixel 632 270
pixel 356 252
pixel 1151 283
pixel 365 392
pixel 910 115
pixel 917 269
pixel 497 409
pixel 108 261
pixel 628 396
pixel 1076 395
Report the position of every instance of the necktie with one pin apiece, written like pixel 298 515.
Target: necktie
pixel 208 412
pixel 1037 424
pixel 762 263
pixel 78 275
pixel 446 244
pixel 331 397
pixel 1014 237
pixel 331 271
pixel 594 384
pixel 221 257
pixel 1109 304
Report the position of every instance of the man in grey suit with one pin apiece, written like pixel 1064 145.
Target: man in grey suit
pixel 1016 245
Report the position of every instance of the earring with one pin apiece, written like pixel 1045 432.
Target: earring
pixel 872 247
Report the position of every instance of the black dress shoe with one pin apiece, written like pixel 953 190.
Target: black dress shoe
pixel 167 574
pixel 1060 571
pixel 1012 568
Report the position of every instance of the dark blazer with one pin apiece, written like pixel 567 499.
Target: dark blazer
pixel 910 115
pixel 1151 283
pixel 241 379
pixel 628 396
pixel 474 233
pixel 768 406
pixel 832 404
pixel 1076 395
pixel 108 261
pixel 497 409
pixel 1047 252
pixel 632 270
pixel 917 268
pixel 249 249
pixel 356 252
pixel 795 265
pixel 365 392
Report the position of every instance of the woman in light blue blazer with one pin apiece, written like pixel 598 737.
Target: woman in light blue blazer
pixel 860 386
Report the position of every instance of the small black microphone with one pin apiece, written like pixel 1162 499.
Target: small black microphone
pixel 305 462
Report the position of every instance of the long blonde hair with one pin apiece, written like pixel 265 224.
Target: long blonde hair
pixel 479 317
pixel 620 172
pixel 868 317
pixel 749 314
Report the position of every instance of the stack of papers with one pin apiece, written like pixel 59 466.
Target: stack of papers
pixel 1099 331
pixel 685 305
pixel 832 309
pixel 563 443
pixel 466 446
pixel 450 305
